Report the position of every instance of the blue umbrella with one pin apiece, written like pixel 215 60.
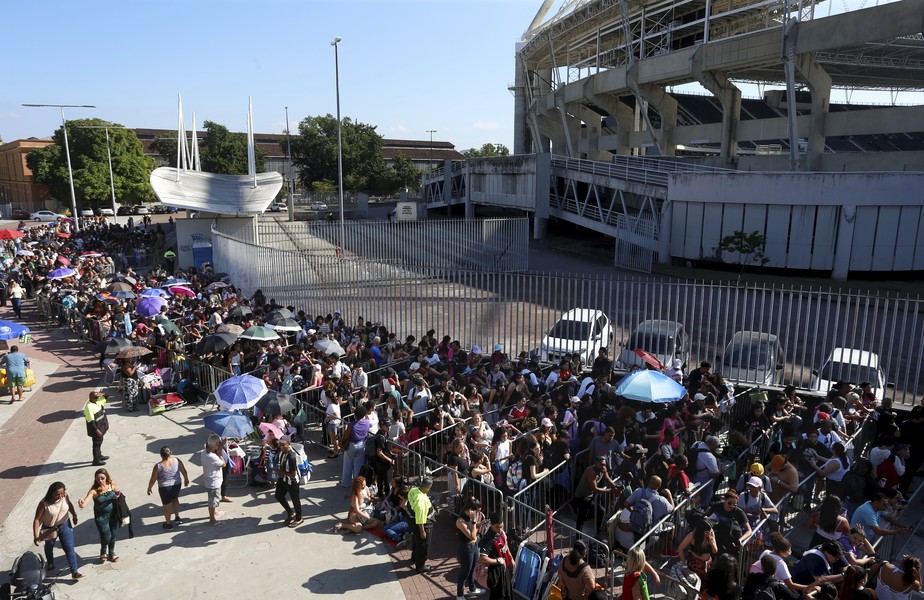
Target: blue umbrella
pixel 61 273
pixel 125 295
pixel 240 392
pixel 150 306
pixel 10 330
pixel 228 424
pixel 173 281
pixel 650 386
pixel 152 292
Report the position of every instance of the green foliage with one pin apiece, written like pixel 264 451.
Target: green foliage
pixel 220 151
pixel 749 247
pixel 405 173
pixel 314 152
pixel 324 187
pixel 487 150
pixel 131 169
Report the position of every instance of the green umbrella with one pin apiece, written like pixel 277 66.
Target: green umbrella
pixel 259 333
pixel 168 325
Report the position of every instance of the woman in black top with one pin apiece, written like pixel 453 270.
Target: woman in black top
pixel 467 545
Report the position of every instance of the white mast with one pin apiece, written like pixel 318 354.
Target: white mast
pixel 196 163
pixel 251 155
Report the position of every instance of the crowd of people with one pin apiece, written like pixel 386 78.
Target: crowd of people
pixel 500 422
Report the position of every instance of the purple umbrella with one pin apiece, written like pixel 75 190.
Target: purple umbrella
pixel 61 273
pixel 150 307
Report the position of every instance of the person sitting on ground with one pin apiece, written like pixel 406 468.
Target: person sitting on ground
pixel 359 517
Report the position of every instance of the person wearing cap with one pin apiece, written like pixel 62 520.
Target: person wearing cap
pixel 379 453
pixel 706 467
pixel 422 509
pixel 570 419
pixel 755 469
pixel 587 501
pixel 754 502
pixel 675 370
pixel 287 485
pixel 632 469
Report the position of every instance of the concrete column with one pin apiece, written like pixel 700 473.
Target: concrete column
pixel 729 97
pixel 664 103
pixel 447 181
pixel 543 177
pixel 590 141
pixel 843 245
pixel 819 83
pixel 624 120
pixel 522 143
pixel 543 85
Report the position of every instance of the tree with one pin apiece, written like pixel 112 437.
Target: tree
pixel 314 152
pixel 749 247
pixel 220 150
pixel 131 169
pixel 405 173
pixel 487 150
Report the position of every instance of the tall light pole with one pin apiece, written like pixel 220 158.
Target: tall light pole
pixel 291 207
pixel 335 43
pixel 106 128
pixel 67 151
pixel 430 159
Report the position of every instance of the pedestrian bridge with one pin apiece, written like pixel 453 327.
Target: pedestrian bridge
pixel 668 209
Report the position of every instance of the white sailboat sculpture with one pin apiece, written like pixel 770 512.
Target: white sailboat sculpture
pixel 187 186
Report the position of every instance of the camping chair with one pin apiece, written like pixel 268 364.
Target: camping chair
pixel 528 571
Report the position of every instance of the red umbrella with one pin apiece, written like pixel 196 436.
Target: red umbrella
pixel 61 234
pixel 182 291
pixel 64 261
pixel 10 234
pixel 649 358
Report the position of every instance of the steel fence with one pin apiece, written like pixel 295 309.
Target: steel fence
pixel 516 310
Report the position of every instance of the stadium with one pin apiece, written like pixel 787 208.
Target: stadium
pixel 669 173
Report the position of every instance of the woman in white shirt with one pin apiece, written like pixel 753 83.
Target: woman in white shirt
pixel 332 422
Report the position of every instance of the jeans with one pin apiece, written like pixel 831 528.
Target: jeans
pixel 284 489
pixel 468 557
pixel 353 460
pixel 66 535
pixel 17 306
pixel 395 531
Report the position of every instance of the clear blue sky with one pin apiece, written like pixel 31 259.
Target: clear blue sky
pixel 406 66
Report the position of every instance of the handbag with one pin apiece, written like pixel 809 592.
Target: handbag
pixel 481 575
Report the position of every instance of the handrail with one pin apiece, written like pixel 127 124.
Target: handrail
pixel 655 528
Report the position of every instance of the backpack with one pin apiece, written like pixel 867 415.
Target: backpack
pixel 692 455
pixel 641 516
pixel 728 536
pixel 515 481
pixel 886 470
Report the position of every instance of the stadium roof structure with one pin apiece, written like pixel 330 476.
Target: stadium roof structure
pixel 872 48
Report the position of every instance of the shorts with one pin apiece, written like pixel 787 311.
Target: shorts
pixel 214 495
pixel 14 381
pixel 168 493
pixel 333 425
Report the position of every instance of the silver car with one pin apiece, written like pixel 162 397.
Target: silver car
pixel 753 357
pixel 665 340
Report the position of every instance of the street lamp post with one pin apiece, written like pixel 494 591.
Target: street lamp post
pixel 291 171
pixel 106 128
pixel 335 43
pixel 67 152
pixel 430 159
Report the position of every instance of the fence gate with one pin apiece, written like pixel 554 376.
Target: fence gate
pixel 635 242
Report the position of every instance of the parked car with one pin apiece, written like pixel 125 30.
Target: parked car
pixel 580 330
pixel 851 365
pixel 753 357
pixel 46 215
pixel 86 212
pixel 21 214
pixel 278 207
pixel 665 340
pixel 106 212
pixel 318 206
pixel 142 210
pixel 126 210
pixel 159 209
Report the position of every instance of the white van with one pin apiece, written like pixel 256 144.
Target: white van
pixel 852 365
pixel 580 330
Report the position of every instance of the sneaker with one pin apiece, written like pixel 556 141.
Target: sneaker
pixel 167 526
pixel 424 569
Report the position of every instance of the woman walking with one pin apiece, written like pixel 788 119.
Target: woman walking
pixel 467 546
pixel 53 522
pixel 103 493
pixel 166 474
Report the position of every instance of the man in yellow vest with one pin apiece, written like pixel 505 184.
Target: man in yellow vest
pixel 422 529
pixel 94 412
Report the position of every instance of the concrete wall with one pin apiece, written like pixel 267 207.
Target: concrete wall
pixel 240 227
pixel 820 221
pixel 503 181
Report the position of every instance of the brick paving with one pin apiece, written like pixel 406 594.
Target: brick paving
pixel 32 432
pixel 440 582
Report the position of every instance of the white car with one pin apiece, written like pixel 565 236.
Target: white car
pixel 853 366
pixel 278 207
pixel 753 357
pixel 142 211
pixel 106 212
pixel 581 331
pixel 318 206
pixel 46 215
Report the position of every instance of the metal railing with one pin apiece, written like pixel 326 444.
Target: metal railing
pixel 516 309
